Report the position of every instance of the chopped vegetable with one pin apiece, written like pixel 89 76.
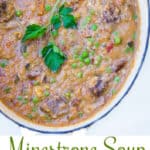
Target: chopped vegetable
pixel 81 64
pixel 79 74
pixel 68 95
pixel 7 90
pixel 108 69
pixel 109 47
pixel 20 98
pixel 114 91
pixel 86 21
pixel 48 8
pixel 19 13
pixel 25 54
pixel 29 116
pixel 117 39
pixel 53 80
pixel 135 17
pixel 98 61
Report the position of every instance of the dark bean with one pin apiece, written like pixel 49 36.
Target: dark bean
pixel 27 66
pixel 17 79
pixel 23 48
pixel 98 89
pixel 131 44
pixel 4 5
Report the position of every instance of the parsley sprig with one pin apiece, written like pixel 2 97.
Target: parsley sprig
pixel 65 17
pixel 53 57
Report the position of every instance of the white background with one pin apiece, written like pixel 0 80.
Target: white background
pixel 131 117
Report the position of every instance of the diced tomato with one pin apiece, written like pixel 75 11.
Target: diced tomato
pixel 109 47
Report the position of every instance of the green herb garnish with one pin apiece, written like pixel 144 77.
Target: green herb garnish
pixel 53 57
pixel 33 31
pixel 64 17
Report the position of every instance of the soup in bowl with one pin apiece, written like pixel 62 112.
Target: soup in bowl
pixel 66 64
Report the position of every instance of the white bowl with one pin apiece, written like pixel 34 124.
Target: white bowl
pixel 143 47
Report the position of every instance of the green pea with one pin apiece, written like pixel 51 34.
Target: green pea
pixel 87 61
pixel 3 63
pixel 85 54
pixel 117 40
pixel 46 93
pixel 108 69
pixel 98 61
pixel 113 91
pixel 20 98
pixel 74 65
pixel 68 95
pixel 79 74
pixel 35 100
pixel 97 44
pixel 80 114
pixel 91 40
pixel 94 27
pixel 19 13
pixel 117 79
pixel 48 7
pixel 25 54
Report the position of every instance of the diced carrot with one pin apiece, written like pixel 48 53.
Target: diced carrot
pixel 41 6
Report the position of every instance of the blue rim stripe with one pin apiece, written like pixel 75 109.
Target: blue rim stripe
pixel 113 107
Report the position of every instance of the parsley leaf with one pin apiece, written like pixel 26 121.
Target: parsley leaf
pixel 33 31
pixel 64 17
pixel 69 21
pixel 65 10
pixel 56 21
pixel 54 58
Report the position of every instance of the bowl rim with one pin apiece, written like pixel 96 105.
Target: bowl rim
pixel 110 109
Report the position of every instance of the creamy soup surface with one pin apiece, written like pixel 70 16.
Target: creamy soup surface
pixel 92 46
